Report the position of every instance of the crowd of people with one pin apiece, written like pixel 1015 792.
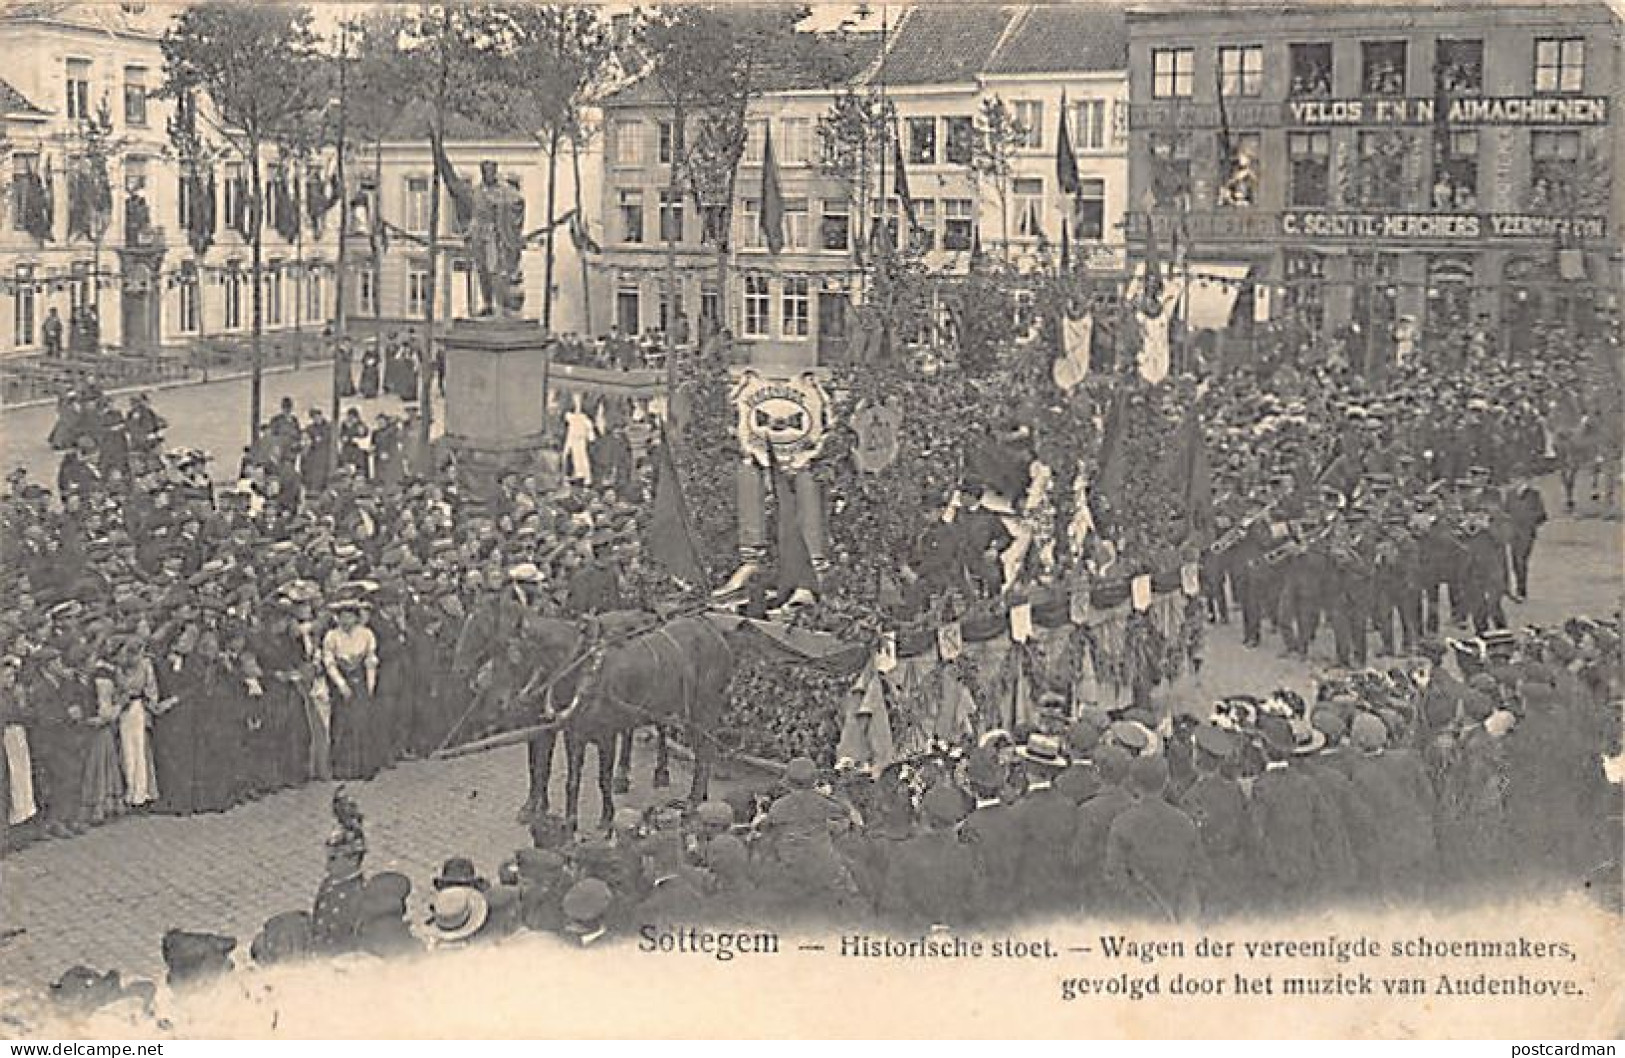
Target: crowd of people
pixel 1474 772
pixel 176 646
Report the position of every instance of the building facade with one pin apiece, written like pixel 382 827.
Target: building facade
pixel 1364 170
pixel 935 68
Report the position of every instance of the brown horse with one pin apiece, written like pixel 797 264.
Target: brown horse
pixel 674 675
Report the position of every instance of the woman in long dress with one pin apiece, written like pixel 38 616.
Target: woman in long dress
pixel 101 786
pixel 135 685
pixel 350 658
pixel 370 369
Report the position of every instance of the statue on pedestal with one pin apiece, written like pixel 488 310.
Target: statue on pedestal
pixel 491 216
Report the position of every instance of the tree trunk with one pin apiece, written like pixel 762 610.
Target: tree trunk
pixel 673 193
pixel 300 279
pixel 340 263
pixel 376 219
pixel 552 193
pixel 581 251
pixel 257 326
pixel 426 351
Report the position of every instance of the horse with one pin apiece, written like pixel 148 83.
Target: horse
pixel 675 674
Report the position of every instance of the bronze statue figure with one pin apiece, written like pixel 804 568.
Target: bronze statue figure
pixel 491 216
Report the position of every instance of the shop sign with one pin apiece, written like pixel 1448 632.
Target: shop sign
pixel 1469 110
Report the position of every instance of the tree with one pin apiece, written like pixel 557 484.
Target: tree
pixel 851 137
pixel 257 66
pixel 90 188
pixel 993 151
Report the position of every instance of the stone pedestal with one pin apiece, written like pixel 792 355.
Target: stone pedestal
pixel 496 417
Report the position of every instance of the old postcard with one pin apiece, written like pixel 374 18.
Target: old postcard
pixel 945 520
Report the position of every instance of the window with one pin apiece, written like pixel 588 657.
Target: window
pixel 1455 170
pixel 795 143
pixel 1305 280
pixel 366 293
pixel 1380 170
pixel 631 202
pixel 1089 125
pixel 236 194
pixel 22 320
pixel 758 304
pixel 1458 67
pixel 273 293
pixel 886 212
pixel 671 216
pixel 1027 195
pixel 1170 167
pixel 923 239
pixel 1311 70
pixel 135 95
pixel 922 141
pixel 1382 68
pixel 1238 177
pixel 796 306
pixel 710 309
pixel 1173 72
pixel 1029 114
pixel 81 291
pixel 1560 64
pixel 1310 156
pixel 234 297
pixel 417 289
pixel 755 138
pixel 417 203
pixel 835 226
pixel 24 173
pixel 960 140
pixel 750 225
pixel 795 224
pixel 1241 70
pixel 628 143
pixel 191 299
pixel 313 294
pixel 1555 166
pixel 1089 209
pixel 78 89
pixel 628 310
pixel 667 141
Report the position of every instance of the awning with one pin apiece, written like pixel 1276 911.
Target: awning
pixel 1212 294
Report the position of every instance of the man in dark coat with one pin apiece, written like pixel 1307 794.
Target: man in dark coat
pixel 1086 855
pixel 931 880
pixel 1217 806
pixel 1047 820
pixel 1527 513
pixel 992 834
pixel 1391 780
pixel 1283 815
pixel 1154 865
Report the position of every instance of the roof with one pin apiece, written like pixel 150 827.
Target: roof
pixel 944 44
pixel 834 59
pixel 1070 38
pixel 14 102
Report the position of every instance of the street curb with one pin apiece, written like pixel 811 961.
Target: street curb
pixel 180 383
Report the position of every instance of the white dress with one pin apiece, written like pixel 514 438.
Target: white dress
pixel 138 690
pixel 579 433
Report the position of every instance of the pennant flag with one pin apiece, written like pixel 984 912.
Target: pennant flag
pixel 900 185
pixel 977 258
pixel 1109 478
pixel 1066 249
pixel 1151 289
pixel 772 198
pixel 1191 476
pixel 670 536
pixel 1066 159
pixel 795 568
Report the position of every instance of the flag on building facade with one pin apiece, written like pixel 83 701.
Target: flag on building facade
pixel 1066 159
pixel 900 187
